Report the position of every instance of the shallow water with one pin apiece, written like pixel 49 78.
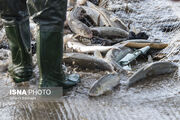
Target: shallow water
pixel 156 98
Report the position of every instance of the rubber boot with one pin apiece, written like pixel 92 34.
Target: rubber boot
pixel 18 34
pixel 49 56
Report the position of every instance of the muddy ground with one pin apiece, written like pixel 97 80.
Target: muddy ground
pixel 156 98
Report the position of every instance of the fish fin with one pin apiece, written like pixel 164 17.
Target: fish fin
pixel 98 54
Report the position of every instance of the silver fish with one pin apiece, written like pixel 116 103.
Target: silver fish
pixel 152 69
pixel 95 15
pixel 86 61
pixel 104 14
pixel 139 41
pixel 100 19
pixel 111 32
pixel 104 84
pixel 79 47
pixel 76 25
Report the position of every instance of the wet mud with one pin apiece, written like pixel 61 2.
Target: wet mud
pixel 155 98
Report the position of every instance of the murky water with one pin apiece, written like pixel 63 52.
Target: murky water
pixel 156 98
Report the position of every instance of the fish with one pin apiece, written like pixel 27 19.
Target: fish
pixel 76 25
pixel 139 41
pixel 86 61
pixel 104 14
pixel 110 32
pixel 98 18
pixel 102 17
pixel 143 43
pixel 115 55
pixel 81 48
pixel 95 16
pixel 104 84
pixel 118 54
pixel 152 69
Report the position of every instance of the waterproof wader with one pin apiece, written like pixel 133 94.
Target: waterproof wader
pixel 49 15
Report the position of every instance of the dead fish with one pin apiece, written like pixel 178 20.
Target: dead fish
pixel 103 13
pixel 104 84
pixel 152 45
pixel 76 25
pixel 114 55
pixel 111 32
pixel 102 17
pixel 119 23
pixel 118 54
pixel 95 16
pixel 152 69
pixel 86 61
pixel 142 43
pixel 139 41
pixel 77 46
pixel 98 18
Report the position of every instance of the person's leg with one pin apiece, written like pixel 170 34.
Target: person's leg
pixel 15 19
pixel 50 16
